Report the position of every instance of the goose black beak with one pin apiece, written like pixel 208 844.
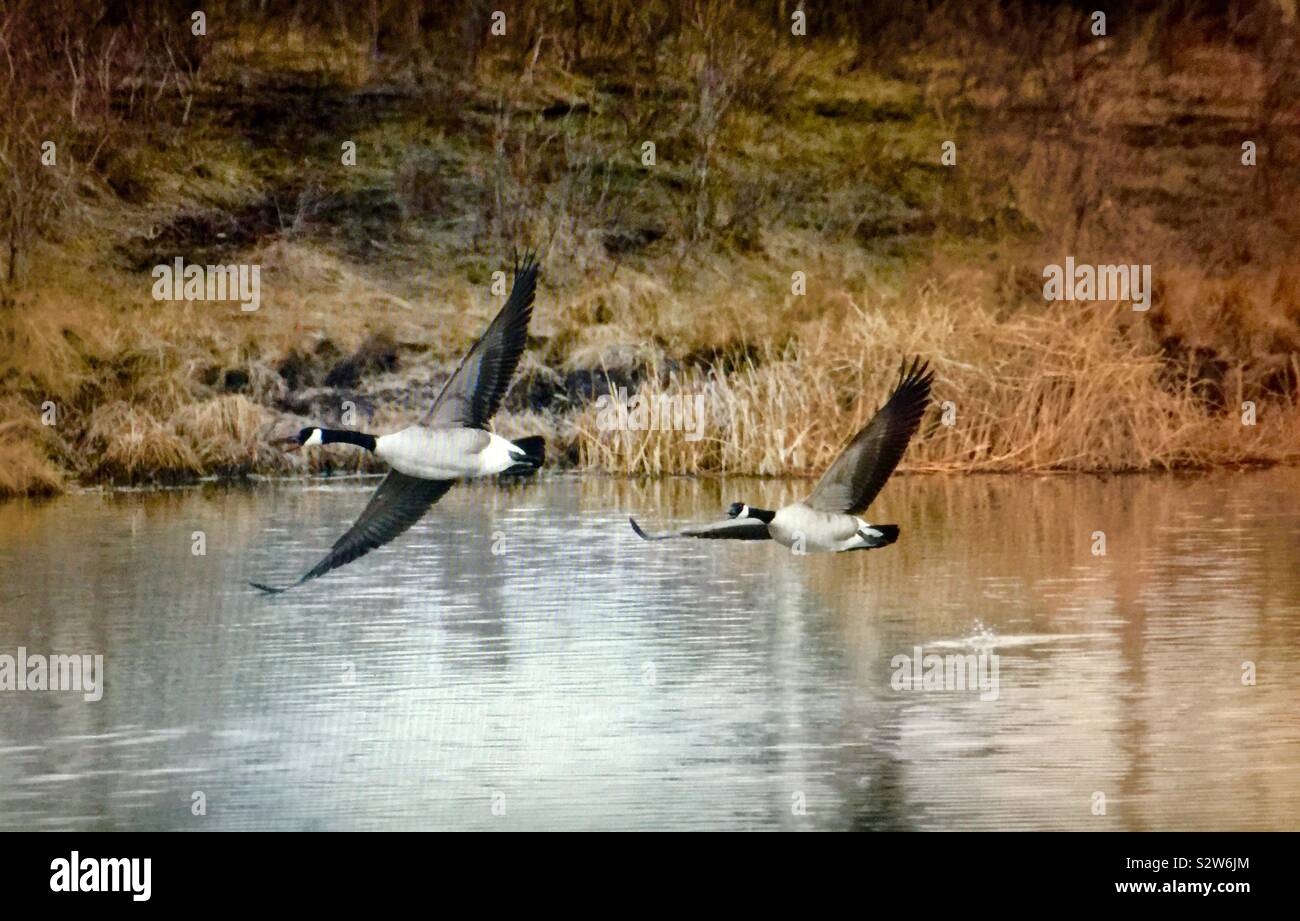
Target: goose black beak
pixel 289 444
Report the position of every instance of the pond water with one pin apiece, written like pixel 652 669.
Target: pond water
pixel 520 659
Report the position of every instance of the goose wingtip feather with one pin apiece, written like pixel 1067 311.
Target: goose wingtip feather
pixel 268 589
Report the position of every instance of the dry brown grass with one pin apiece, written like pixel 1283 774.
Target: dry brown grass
pixel 1067 389
pixel 818 157
pixel 225 432
pixel 26 471
pixel 130 442
pixel 26 446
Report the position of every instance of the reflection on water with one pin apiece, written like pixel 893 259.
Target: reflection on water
pixel 579 678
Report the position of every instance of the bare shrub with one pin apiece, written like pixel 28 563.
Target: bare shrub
pixel 419 186
pixel 73 77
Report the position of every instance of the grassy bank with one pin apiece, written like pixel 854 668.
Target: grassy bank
pixel 774 155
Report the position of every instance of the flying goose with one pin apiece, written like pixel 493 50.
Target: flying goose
pixel 828 520
pixel 449 443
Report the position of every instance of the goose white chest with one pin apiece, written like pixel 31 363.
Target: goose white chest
pixel 444 454
pixel 808 530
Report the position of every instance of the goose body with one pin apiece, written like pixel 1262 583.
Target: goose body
pixel 798 526
pixel 830 519
pixel 451 441
pixel 447 454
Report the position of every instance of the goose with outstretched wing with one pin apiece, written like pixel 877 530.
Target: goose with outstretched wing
pixel 829 519
pixel 449 443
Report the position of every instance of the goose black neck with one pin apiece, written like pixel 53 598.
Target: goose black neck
pixel 761 514
pixel 336 436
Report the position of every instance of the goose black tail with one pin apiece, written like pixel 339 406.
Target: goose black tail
pixel 533 455
pixel 888 534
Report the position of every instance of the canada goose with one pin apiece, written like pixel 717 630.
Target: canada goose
pixel 450 441
pixel 828 519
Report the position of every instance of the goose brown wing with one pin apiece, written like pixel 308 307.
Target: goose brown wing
pixel 399 502
pixel 731 529
pixel 474 392
pixel 850 484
